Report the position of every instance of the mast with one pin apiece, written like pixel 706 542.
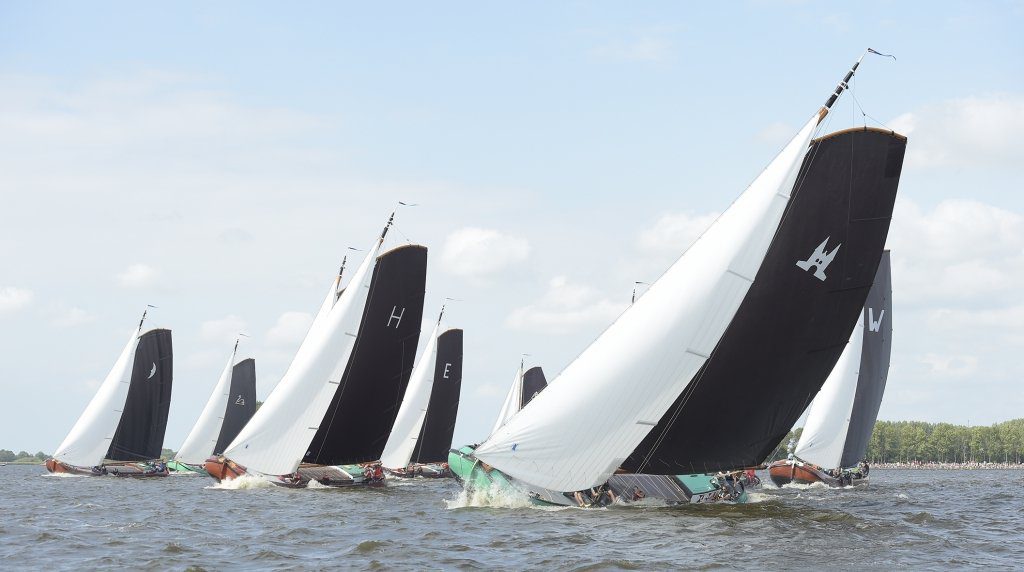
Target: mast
pixel 840 87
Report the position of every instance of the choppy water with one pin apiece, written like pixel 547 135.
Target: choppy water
pixel 918 519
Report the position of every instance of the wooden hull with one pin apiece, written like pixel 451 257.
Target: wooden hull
pixel 785 472
pixel 222 469
pixel 124 470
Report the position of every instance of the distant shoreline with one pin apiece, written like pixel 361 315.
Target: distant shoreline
pixel 914 466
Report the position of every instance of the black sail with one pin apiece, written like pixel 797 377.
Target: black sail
pixel 796 318
pixel 241 403
pixel 140 433
pixel 359 418
pixel 435 437
pixel 874 365
pixel 533 383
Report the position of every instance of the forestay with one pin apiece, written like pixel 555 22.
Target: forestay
pixel 275 439
pixel 199 444
pixel 578 431
pixel 87 443
pixel 406 430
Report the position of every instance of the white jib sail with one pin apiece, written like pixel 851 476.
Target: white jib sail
pixel 512 401
pixel 824 435
pixel 578 431
pixel 409 421
pixel 89 440
pixel 274 441
pixel 199 444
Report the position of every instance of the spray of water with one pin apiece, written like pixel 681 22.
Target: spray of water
pixel 244 482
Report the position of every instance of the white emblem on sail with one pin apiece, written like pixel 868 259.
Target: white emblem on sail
pixel 152 372
pixel 819 259
pixel 240 401
pixel 872 324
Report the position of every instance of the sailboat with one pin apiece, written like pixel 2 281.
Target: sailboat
pixel 843 414
pixel 231 405
pixel 121 431
pixel 329 417
pixel 711 367
pixel 525 386
pixel 422 433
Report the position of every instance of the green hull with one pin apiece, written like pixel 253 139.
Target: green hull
pixel 178 467
pixel 677 489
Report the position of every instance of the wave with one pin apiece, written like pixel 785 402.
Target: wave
pixel 62 475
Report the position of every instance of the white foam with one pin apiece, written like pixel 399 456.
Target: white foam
pixel 62 475
pixel 244 482
pixel 495 496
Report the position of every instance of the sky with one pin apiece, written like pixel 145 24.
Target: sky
pixel 216 160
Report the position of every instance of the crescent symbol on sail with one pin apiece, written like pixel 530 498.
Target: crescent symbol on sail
pixel 152 372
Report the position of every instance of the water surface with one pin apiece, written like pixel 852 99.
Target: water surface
pixel 920 519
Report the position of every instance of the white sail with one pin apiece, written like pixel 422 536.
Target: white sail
pixel 199 444
pixel 824 435
pixel 578 431
pixel 512 401
pixel 409 421
pixel 274 441
pixel 89 440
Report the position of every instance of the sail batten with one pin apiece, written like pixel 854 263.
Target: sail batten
pixel 576 431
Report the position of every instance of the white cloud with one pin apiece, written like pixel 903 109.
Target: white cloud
pixel 289 329
pixel 959 251
pixel 776 134
pixel 13 299
pixel 138 276
pixel 972 131
pixel 648 48
pixel 675 232
pixel 565 307
pixel 71 317
pixel 947 365
pixel 224 330
pixel 473 251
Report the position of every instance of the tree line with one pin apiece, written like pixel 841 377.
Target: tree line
pixel 908 441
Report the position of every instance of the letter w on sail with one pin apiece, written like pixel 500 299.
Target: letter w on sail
pixel 819 259
pixel 872 324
